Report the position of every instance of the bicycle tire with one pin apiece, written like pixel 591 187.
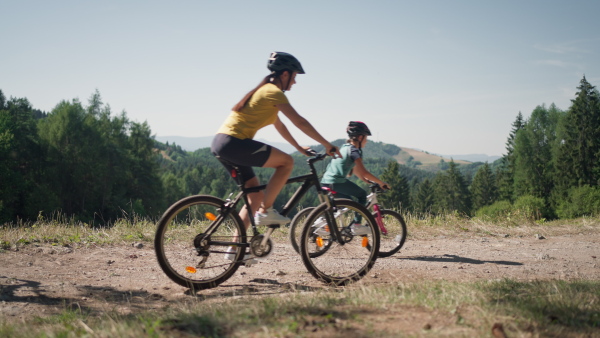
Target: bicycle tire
pixel 332 262
pixel 188 258
pixel 296 227
pixel 393 241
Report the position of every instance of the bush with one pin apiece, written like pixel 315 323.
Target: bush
pixel 581 201
pixel 530 207
pixel 495 211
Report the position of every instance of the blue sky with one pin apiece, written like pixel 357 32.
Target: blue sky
pixel 448 77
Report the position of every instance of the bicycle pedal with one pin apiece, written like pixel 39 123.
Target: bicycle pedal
pixel 250 262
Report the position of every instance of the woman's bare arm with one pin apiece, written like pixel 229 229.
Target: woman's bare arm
pixel 285 133
pixel 306 127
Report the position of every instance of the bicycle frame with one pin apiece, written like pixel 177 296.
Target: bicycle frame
pixel 308 180
pixel 373 203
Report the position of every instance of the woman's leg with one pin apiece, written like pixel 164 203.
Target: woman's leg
pixel 283 164
pixel 255 201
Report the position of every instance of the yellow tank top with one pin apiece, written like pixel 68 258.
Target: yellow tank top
pixel 260 111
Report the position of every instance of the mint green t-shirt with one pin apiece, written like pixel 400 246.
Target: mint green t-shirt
pixel 338 169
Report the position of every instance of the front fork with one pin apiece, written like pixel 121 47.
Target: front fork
pixel 379 219
pixel 330 216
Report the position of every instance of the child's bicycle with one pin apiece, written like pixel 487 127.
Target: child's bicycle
pixel 201 240
pixel 391 224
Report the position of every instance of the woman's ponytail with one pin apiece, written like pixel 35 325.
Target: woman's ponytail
pixel 268 79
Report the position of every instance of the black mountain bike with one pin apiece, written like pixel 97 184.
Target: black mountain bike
pixel 201 240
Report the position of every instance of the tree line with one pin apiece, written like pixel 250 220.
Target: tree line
pixel 83 163
pixel 79 162
pixel 551 168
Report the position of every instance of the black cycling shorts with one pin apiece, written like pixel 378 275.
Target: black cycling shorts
pixel 245 154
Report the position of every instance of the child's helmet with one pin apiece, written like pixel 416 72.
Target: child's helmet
pixel 280 61
pixel 356 128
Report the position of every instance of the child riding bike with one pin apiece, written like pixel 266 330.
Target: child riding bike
pixel 339 169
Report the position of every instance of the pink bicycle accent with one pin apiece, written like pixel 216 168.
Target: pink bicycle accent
pixel 379 219
pixel 329 190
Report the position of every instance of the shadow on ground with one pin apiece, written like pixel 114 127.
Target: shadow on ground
pixel 456 259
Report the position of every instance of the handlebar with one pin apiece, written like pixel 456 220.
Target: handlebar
pixel 317 157
pixel 375 187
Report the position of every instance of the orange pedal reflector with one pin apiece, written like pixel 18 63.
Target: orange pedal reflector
pixel 365 242
pixel 319 242
pixel 190 269
pixel 210 216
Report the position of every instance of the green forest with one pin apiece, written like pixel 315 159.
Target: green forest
pixel 81 162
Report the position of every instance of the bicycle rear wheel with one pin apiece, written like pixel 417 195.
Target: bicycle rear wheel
pixel 187 254
pixel 393 240
pixel 331 261
pixel 296 227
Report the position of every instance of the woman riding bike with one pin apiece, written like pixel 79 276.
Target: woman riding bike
pixel 339 169
pixel 259 108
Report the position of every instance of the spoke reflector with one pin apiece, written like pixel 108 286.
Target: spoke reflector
pixel 319 242
pixel 210 216
pixel 190 269
pixel 365 242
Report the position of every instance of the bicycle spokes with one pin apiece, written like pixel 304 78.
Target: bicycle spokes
pixel 346 258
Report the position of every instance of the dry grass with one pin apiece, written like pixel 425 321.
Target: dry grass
pixel 428 308
pixel 62 233
pixel 453 225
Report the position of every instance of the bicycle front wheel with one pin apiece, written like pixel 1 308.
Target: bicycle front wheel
pixel 344 260
pixel 296 227
pixel 191 256
pixel 394 236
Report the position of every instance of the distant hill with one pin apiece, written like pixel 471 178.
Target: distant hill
pixel 473 157
pixel 410 157
pixel 423 160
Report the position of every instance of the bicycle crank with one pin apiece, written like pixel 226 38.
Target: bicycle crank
pixel 260 246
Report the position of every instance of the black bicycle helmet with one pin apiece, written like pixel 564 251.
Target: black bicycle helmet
pixel 356 128
pixel 280 61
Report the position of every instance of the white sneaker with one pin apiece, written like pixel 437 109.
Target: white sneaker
pixel 319 222
pixel 360 230
pixel 321 227
pixel 339 212
pixel 270 217
pixel 248 260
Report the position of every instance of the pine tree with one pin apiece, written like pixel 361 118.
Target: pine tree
pixel 483 188
pixel 510 143
pixel 22 195
pixel 451 192
pixel 145 183
pixel 505 173
pixel 578 152
pixel 504 181
pixel 424 197
pixel 398 195
pixel 533 149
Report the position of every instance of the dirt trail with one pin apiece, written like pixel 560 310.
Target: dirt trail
pixel 44 279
